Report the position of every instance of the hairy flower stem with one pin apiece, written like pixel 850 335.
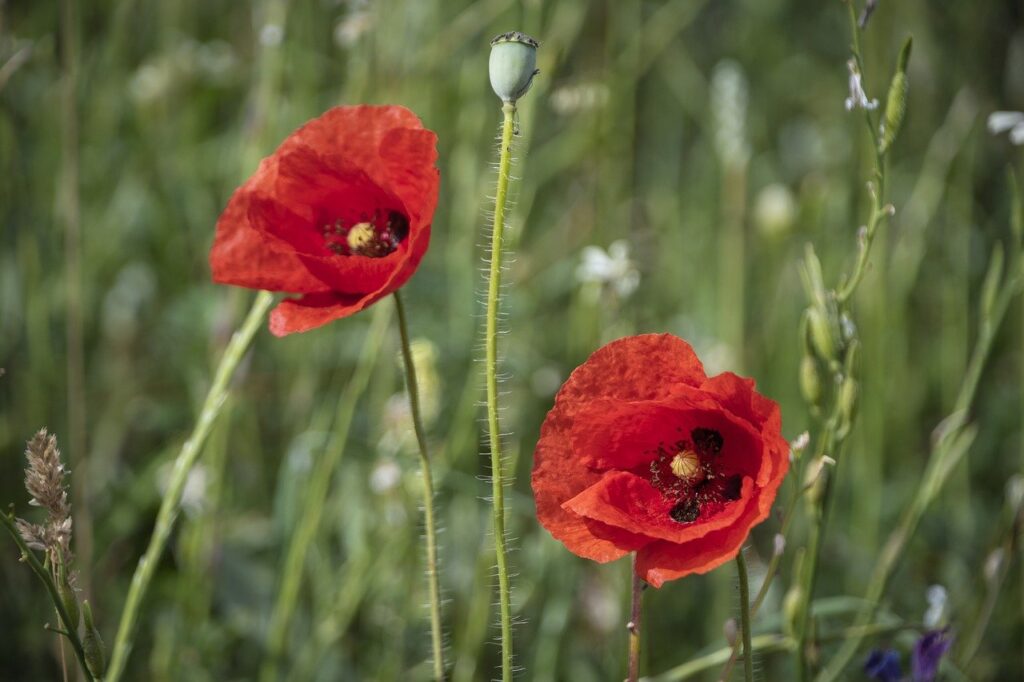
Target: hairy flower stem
pixel 428 491
pixel 636 604
pixel 70 629
pixel 304 533
pixel 508 109
pixel 748 653
pixel 171 503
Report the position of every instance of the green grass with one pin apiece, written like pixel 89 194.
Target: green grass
pixel 176 103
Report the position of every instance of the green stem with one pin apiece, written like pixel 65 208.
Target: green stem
pixel 171 503
pixel 830 439
pixel 947 451
pixel 428 491
pixel 70 629
pixel 636 610
pixel 494 430
pixel 316 497
pixel 748 657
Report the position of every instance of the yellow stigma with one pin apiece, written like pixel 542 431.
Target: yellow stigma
pixel 686 465
pixel 359 236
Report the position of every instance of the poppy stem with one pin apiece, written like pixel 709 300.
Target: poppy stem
pixel 633 626
pixel 171 504
pixel 748 658
pixel 428 491
pixel 494 430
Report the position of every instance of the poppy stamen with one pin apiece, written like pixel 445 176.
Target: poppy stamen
pixel 366 238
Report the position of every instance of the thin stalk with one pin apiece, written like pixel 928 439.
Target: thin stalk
pixel 748 657
pixel 949 448
pixel 171 503
pixel 70 629
pixel 494 430
pixel 829 438
pixel 771 643
pixel 769 575
pixel 636 607
pixel 428 491
pixel 304 533
pixel 71 210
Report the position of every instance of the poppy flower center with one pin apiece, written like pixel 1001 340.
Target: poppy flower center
pixel 690 474
pixel 374 237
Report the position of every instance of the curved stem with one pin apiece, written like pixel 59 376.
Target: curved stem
pixel 633 626
pixel 304 532
pixel 494 430
pixel 70 629
pixel 187 457
pixel 748 658
pixel 428 492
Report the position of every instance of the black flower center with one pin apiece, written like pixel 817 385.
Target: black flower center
pixel 371 236
pixel 689 473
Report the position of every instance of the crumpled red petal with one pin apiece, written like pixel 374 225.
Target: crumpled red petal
pixel 624 398
pixel 364 160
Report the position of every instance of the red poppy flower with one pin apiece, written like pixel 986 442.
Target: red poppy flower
pixel 643 452
pixel 340 214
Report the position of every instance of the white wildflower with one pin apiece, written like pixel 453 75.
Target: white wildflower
pixel 774 210
pixel 937 598
pixel 573 99
pixel 729 94
pixel 1002 121
pixel 271 35
pixel 385 476
pixel 613 268
pixel 857 96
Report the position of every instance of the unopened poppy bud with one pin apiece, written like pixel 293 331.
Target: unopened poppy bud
pixel 68 598
pixel 822 336
pixel 92 645
pixel 896 102
pixel 810 381
pixel 513 65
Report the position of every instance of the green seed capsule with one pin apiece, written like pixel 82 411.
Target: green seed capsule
pixel 847 407
pixel 896 102
pixel 68 598
pixel 513 64
pixel 92 645
pixel 810 381
pixel 822 335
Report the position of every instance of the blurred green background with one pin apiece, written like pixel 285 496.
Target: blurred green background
pixel 709 135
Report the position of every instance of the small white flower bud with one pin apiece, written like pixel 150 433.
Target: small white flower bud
pixel 513 65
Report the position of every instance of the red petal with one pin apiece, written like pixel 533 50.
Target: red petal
pixel 661 561
pixel 629 502
pixel 315 310
pixel 617 370
pixel 608 434
pixel 244 256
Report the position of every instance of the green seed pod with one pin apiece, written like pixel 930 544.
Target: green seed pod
pixel 822 335
pixel 896 102
pixel 513 64
pixel 990 285
pixel 847 406
pixel 68 598
pixel 792 605
pixel 810 381
pixel 92 644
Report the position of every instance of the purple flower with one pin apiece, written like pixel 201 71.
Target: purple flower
pixel 928 653
pixel 884 665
